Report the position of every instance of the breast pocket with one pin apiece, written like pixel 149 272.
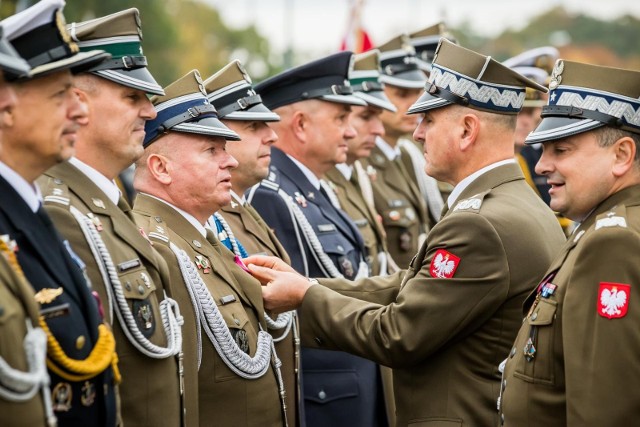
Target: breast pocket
pixel 342 253
pixel 242 334
pixel 139 291
pixel 535 364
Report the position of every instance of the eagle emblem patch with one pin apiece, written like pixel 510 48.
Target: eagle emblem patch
pixel 613 300
pixel 444 264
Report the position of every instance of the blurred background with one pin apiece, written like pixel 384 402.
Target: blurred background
pixel 270 35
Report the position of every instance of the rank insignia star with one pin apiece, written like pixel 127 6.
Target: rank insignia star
pixel 203 264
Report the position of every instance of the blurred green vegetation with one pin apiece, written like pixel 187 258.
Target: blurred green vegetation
pixel 180 35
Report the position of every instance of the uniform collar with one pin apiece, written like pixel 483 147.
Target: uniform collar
pixel 30 193
pixel 390 152
pixel 108 187
pixel 462 185
pixel 192 220
pixel 313 179
pixel 242 200
pixel 345 169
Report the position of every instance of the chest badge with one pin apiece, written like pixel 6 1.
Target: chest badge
pixel 203 264
pixel 444 264
pixel 613 300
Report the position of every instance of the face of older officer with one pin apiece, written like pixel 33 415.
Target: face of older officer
pixel 7 102
pixel 458 141
pixel 585 169
pixel 253 152
pixel 190 171
pixel 397 124
pixel 42 127
pixel 368 126
pixel 315 133
pixel 112 139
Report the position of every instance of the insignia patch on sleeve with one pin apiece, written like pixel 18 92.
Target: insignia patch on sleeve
pixel 444 264
pixel 613 300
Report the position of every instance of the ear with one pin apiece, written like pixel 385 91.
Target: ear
pixel 624 150
pixel 299 124
pixel 469 130
pixel 160 168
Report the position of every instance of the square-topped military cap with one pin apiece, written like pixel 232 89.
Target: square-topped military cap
pixel 325 79
pixel 365 80
pixel 11 64
pixel 584 97
pixel 39 36
pixel 230 91
pixel 399 64
pixel 426 41
pixel 184 108
pixel 464 77
pixel 120 34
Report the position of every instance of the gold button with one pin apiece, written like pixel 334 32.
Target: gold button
pixel 80 342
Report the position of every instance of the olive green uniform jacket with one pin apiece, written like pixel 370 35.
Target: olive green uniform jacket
pixel 17 307
pixel 257 238
pixel 149 392
pixel 458 308
pixel 398 201
pixel 224 398
pixel 582 320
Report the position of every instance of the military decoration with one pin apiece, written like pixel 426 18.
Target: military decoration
pixel 347 267
pixel 144 317
pixel 613 300
pixel 88 396
pixel 61 397
pixel 96 221
pixel 47 295
pixel 11 244
pixel 299 198
pixel 372 173
pixel 529 350
pixel 203 264
pixel 444 264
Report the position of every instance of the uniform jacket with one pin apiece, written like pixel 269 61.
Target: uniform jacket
pixel 224 398
pixel 256 237
pixel 17 307
pixel 338 388
pixel 458 308
pixel 74 317
pixel 354 205
pixel 584 334
pixel 150 393
pixel 397 200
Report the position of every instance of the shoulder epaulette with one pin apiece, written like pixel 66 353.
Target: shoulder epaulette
pixel 265 183
pixel 614 217
pixel 471 204
pixel 54 190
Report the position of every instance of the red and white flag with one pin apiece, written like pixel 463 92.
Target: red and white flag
pixel 356 38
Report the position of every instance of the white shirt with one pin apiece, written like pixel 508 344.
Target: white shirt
pixel 30 193
pixel 108 187
pixel 345 169
pixel 390 152
pixel 185 215
pixel 462 185
pixel 313 179
pixel 242 200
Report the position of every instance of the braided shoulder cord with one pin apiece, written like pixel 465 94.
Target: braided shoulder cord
pixel 216 328
pixel 169 310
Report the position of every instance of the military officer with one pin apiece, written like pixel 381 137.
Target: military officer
pixel 425 42
pixel 459 303
pixel 349 180
pixel 574 360
pixel 23 380
pixel 81 357
pixel 314 102
pixel 184 178
pixel 231 92
pixel 87 207
pixel 397 197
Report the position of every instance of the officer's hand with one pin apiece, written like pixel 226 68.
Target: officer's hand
pixel 282 290
pixel 268 262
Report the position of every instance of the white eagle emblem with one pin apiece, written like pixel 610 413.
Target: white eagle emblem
pixel 611 301
pixel 443 264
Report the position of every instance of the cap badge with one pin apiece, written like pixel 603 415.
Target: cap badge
pixel 62 28
pixel 244 73
pixel 556 75
pixel 613 300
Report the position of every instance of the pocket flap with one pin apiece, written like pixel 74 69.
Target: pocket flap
pixel 544 313
pixel 325 387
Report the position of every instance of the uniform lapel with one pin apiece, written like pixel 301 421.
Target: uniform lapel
pixel 250 225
